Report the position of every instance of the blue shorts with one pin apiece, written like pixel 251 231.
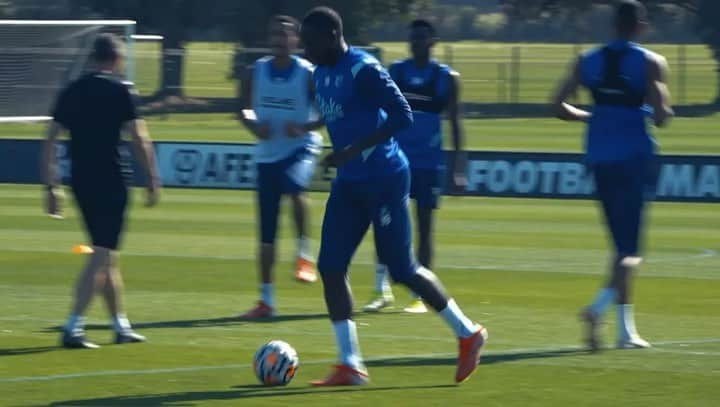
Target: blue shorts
pixel 289 176
pixel 623 188
pixel 352 207
pixel 427 186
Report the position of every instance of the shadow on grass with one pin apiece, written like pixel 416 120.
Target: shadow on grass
pixel 27 351
pixel 239 392
pixel 201 323
pixel 487 359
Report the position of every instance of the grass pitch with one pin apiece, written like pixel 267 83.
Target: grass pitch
pixel 522 267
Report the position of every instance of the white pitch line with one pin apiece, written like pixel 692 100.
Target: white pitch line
pixel 546 267
pixel 134 372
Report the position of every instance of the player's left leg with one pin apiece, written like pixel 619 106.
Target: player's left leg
pixel 425 189
pixel 391 226
pixel 108 279
pixel 298 174
pixel 346 222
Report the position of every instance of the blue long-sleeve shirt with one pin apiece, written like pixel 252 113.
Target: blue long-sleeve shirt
pixel 356 97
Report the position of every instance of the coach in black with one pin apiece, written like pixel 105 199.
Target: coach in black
pixel 96 109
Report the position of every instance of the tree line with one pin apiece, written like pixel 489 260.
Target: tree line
pixel 244 21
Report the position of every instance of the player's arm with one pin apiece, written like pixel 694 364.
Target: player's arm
pixel 145 153
pixel 49 170
pixel 454 115
pixel 658 93
pixel 375 86
pixel 569 87
pixel 247 115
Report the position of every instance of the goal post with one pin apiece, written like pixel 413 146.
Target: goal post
pixel 39 57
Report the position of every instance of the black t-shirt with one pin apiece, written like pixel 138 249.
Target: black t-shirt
pixel 94 109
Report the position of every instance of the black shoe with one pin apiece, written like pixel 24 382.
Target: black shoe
pixel 76 340
pixel 128 337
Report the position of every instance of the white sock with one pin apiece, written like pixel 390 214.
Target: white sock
pixel 75 323
pixel 458 322
pixel 266 294
pixel 382 283
pixel 604 297
pixel 626 321
pixel 347 344
pixel 303 248
pixel 120 323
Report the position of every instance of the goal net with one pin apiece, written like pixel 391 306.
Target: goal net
pixel 38 57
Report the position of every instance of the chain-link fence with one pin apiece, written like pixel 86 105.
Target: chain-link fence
pixel 490 72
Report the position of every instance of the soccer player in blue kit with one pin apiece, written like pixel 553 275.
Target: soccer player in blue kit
pixel 431 89
pixel 363 108
pixel 627 83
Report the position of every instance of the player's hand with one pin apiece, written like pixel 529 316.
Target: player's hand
pixel 459 178
pixel 261 130
pixel 294 130
pixel 53 202
pixel 337 158
pixel 152 193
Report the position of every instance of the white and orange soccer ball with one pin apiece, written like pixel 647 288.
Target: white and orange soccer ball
pixel 275 363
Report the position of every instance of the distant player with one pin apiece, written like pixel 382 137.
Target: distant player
pixel 282 118
pixel 431 89
pixel 95 109
pixel 622 78
pixel 363 109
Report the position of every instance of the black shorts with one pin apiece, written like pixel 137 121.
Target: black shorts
pixel 623 189
pixel 103 212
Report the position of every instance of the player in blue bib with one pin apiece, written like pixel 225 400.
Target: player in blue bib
pixel 431 89
pixel 363 109
pixel 627 82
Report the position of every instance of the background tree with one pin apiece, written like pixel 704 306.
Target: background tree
pixel 175 20
pixel 706 14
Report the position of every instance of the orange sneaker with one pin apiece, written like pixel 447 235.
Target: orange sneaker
pixel 469 353
pixel 305 270
pixel 343 375
pixel 259 311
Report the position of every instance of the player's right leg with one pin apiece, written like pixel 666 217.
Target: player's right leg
pixel 344 225
pixel 269 194
pixel 391 226
pixel 626 232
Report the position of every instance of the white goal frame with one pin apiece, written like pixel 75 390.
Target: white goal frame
pixel 129 25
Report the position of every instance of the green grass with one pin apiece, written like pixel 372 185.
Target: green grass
pixel 482 66
pixel 683 136
pixel 522 267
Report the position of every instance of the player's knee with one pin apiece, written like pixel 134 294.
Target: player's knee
pixel 402 274
pixel 329 267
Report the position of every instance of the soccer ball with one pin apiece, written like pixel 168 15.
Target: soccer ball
pixel 275 363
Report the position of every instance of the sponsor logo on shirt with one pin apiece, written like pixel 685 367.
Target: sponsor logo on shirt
pixel 274 102
pixel 329 108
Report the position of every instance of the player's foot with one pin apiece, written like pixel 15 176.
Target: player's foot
pixel 417 306
pixel 343 375
pixel 378 302
pixel 259 311
pixel 634 342
pixel 76 340
pixel 128 337
pixel 305 270
pixel 592 326
pixel 469 353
